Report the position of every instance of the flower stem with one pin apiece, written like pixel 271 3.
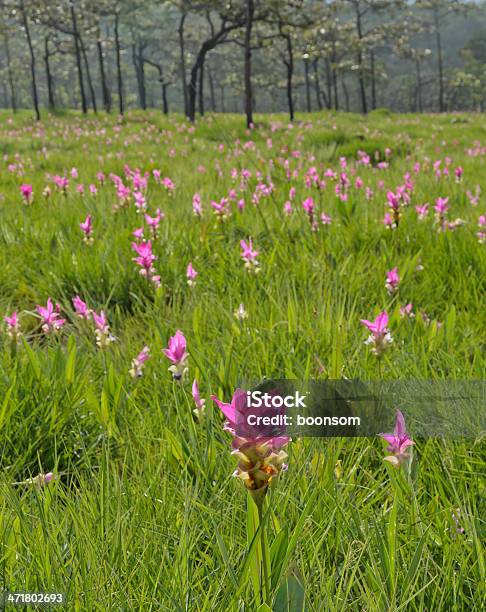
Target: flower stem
pixel 265 560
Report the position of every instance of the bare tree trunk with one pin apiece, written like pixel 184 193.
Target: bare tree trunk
pixel 317 85
pixel 201 90
pixel 182 52
pixel 346 93
pixel 419 85
pixel 364 107
pixel 440 65
pixel 49 80
pixel 88 76
pixel 35 97
pixel 373 80
pixel 307 85
pixel 211 89
pixel 164 98
pixel 139 65
pixel 223 108
pixel 79 66
pixel 250 9
pixel 289 64
pixel 118 64
pixel 104 85
pixel 13 98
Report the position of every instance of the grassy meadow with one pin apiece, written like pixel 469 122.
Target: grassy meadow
pixel 142 512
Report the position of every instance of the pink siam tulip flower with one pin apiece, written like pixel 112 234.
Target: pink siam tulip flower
pixel 380 337
pixel 177 354
pixel 145 260
pixel 81 309
pixel 308 206
pixel 406 311
pixel 198 401
pixel 138 233
pixel 441 208
pixel 221 209
pixel 39 481
pixel 50 317
pixel 102 330
pixel 261 458
pixel 27 192
pixel 13 325
pixel 474 197
pixel 388 221
pixel 61 182
pixel 74 173
pixel 288 208
pixel 87 229
pixel 196 205
pixel 93 189
pixel 422 211
pixel 249 256
pixel 191 274
pixel 153 222
pixel 398 442
pixel 138 363
pixel 140 201
pixel 326 219
pixel 458 172
pixel 392 280
pixel 169 185
pixel 80 188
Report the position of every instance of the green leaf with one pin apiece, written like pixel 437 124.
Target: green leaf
pixel 290 596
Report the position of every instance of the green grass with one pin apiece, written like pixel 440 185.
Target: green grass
pixel 144 514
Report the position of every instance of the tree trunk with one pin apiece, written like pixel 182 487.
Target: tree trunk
pixel 440 66
pixel 139 65
pixel 13 98
pixel 118 64
pixel 79 66
pixel 307 86
pixel 223 107
pixel 317 85
pixel 88 76
pixel 104 87
pixel 201 90
pixel 35 97
pixel 289 64
pixel 346 93
pixel 164 98
pixel 334 76
pixel 211 89
pixel 250 9
pixel 373 80
pixel 364 107
pixel 419 86
pixel 49 80
pixel 182 52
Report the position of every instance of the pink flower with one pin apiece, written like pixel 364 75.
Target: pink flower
pixel 138 233
pixel 422 211
pixel 81 308
pixel 406 311
pixel 288 207
pixel 153 222
pixel 139 362
pixel 261 457
pixel 13 325
pixel 249 256
pixel 380 337
pixel 191 274
pixel 27 192
pixel 481 235
pixel 50 317
pixel 196 205
pixel 326 219
pixel 177 354
pixel 398 442
pixel 392 280
pixel 459 171
pixel 169 185
pixel 87 229
pixel 102 330
pixel 199 409
pixel 145 260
